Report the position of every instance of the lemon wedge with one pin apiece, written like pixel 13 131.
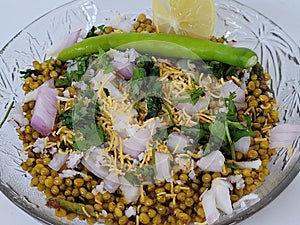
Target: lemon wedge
pixel 195 18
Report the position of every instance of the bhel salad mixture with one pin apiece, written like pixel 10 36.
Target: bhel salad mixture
pixel 125 125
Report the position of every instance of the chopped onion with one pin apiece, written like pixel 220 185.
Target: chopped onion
pixel 125 70
pixel 250 164
pixel 58 161
pixel 39 146
pixel 111 182
pixel 221 188
pixel 70 173
pixel 152 124
pixel 243 144
pixel 74 159
pixel 92 161
pixel 191 109
pixel 99 189
pixel 162 163
pixel 16 116
pixel 123 62
pixel 218 197
pixel 131 193
pixel 31 96
pixel 210 208
pixel 130 211
pixel 283 135
pixel 176 142
pixel 212 162
pixel 229 87
pixel 238 180
pixel 45 110
pixel 63 43
pixel 137 143
pixel 122 124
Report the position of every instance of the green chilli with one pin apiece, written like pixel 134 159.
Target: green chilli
pixel 165 45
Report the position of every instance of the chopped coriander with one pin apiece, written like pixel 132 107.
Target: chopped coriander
pixel 195 94
pixel 82 63
pixel 29 73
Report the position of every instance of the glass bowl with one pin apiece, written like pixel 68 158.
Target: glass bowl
pixel 276 50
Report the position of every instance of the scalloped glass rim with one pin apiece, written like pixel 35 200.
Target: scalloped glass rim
pixel 277 51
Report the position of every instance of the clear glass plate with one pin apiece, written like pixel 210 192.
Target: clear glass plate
pixel 277 52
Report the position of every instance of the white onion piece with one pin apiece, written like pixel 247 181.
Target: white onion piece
pixel 113 91
pixel 125 70
pixel 123 62
pixel 130 211
pixel 39 146
pixel 218 197
pixel 31 96
pixel 45 110
pixel 137 143
pixel 210 208
pixel 111 182
pixel 250 164
pixel 64 42
pixel 176 142
pixel 122 123
pixel 283 135
pixel 212 162
pixel 191 109
pixel 100 172
pixel 58 161
pixel 92 161
pixel 238 180
pixel 230 86
pixel 74 159
pixel 152 124
pixel 162 164
pixel 243 144
pixel 16 116
pixel 131 193
pixel 70 173
pixel 221 188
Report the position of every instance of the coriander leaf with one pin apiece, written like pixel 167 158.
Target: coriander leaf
pixel 66 118
pixel 104 62
pixel 219 69
pixel 161 134
pixel 138 73
pixel 147 172
pixel 29 72
pixel 236 125
pixel 195 94
pixel 145 62
pixel 199 133
pixel 132 178
pixel 82 64
pixel 92 32
pixel 154 106
pixel 229 103
pixel 135 88
pixel 92 135
pixel 217 133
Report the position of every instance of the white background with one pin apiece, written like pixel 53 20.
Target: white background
pixel 16 14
